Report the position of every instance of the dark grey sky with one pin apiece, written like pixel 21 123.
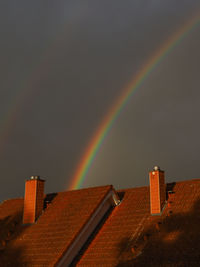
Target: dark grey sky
pixel 63 63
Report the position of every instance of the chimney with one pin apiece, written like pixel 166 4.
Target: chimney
pixel 157 190
pixel 34 199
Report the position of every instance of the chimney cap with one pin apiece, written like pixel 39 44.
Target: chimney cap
pixel 35 177
pixel 156 168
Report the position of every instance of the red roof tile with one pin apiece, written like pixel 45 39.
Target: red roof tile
pixel 133 237
pixel 128 236
pixel 43 243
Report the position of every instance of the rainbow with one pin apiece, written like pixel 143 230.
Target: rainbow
pixel 111 117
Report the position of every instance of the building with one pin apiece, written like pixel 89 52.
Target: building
pixel 157 225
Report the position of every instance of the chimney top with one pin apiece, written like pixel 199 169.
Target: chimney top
pixel 35 177
pixel 156 168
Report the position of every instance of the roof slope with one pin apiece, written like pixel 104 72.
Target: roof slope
pixel 129 236
pixel 43 243
pixel 133 237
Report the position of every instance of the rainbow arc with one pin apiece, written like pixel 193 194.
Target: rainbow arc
pixel 118 106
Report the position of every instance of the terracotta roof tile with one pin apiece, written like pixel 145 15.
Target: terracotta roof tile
pixel 132 237
pixel 129 236
pixel 43 243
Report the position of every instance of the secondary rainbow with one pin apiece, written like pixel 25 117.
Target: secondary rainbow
pixel 110 118
pixel 28 88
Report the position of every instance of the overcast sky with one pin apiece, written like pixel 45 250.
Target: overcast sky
pixel 64 63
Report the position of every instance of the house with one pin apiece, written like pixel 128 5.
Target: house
pixel 156 225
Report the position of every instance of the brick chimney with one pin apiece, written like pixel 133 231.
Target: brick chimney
pixel 34 199
pixel 157 190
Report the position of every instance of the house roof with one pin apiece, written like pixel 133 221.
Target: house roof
pixel 131 236
pixel 128 236
pixel 44 243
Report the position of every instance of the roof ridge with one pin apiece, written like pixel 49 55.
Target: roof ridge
pixel 109 189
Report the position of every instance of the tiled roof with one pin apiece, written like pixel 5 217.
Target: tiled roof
pixel 43 243
pixel 131 236
pixel 128 236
